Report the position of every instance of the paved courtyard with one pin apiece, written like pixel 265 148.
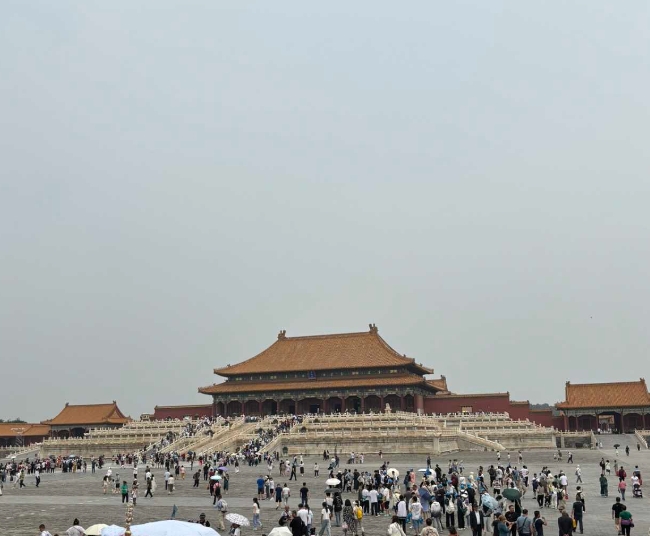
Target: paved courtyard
pixel 62 497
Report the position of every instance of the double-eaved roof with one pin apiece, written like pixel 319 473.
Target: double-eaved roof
pixel 324 352
pixel 89 414
pixel 335 361
pixel 605 395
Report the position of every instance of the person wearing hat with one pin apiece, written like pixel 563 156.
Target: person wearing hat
pixel 203 521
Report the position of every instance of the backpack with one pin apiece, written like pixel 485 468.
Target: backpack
pixel 359 512
pixel 223 507
pixel 436 509
pixel 451 507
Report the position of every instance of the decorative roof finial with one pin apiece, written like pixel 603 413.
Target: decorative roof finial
pixel 282 335
pixel 373 328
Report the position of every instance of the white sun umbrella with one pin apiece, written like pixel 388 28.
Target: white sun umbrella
pixel 95 530
pixel 392 472
pixel 332 482
pixel 215 477
pixel 170 527
pixel 238 519
pixel 113 530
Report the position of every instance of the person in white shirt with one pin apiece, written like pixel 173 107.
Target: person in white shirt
pixel 564 481
pixel 372 495
pixel 395 528
pixel 325 521
pixel 41 527
pixel 416 513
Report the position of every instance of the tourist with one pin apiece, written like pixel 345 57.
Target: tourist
pixel 337 505
pixel 222 508
pixel 234 530
pixel 621 488
pixel 304 493
pixel 44 532
pixel 565 524
pixel 256 514
pixel 578 509
pixel 76 529
pixel 626 521
pixel 286 493
pixel 297 525
pixel 578 475
pixel 402 512
pixel 617 508
pixel 134 493
pixel 278 496
pixel 170 485
pixel 203 521
pixel 281 529
pixel 603 485
pixel 260 487
pixel 325 521
pixel 349 518
pixel 415 509
pixel 476 520
pixel 539 523
pixel 428 529
pixel 396 528
pixel 125 492
pixel 316 469
pixel 524 524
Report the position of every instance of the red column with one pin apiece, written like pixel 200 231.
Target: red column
pixel 363 405
pixel 401 402
pixel 260 403
pixel 382 406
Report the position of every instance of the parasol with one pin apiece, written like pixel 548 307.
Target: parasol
pixel 512 494
pixel 95 530
pixel 113 530
pixel 222 468
pixel 332 482
pixel 215 477
pixel 170 527
pixel 489 502
pixel 238 519
pixel 392 472
pixel 617 445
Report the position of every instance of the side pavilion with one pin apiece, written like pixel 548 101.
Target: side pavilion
pixel 355 372
pixel 617 406
pixel 74 421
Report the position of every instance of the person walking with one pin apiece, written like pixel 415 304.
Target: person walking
pixel 125 492
pixel 626 521
pixel 325 521
pixel 349 518
pixel 617 508
pixel 565 524
pixel 395 528
pixel 603 485
pixel 539 523
pixel 621 489
pixel 578 509
pixel 476 520
pixel 257 524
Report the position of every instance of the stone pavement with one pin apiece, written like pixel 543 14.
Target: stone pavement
pixel 62 497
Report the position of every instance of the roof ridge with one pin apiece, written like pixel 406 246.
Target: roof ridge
pixel 636 382
pixel 86 405
pixel 327 335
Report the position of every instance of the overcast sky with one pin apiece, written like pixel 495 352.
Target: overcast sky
pixel 181 180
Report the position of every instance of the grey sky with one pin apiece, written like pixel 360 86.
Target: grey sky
pixel 181 180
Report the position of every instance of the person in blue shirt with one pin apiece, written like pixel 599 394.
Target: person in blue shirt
pixel 260 488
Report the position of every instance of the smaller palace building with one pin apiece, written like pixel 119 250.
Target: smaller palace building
pixel 75 420
pixel 617 406
pixel 356 372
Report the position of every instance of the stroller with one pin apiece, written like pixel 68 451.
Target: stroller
pixel 637 491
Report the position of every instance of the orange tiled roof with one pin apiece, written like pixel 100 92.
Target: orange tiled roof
pixel 324 352
pixel 231 386
pixel 10 429
pixel 89 414
pixel 606 395
pixel 440 384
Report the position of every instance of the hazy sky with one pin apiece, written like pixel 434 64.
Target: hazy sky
pixel 181 180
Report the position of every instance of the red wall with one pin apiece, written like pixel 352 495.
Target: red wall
pixel 178 412
pixel 497 403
